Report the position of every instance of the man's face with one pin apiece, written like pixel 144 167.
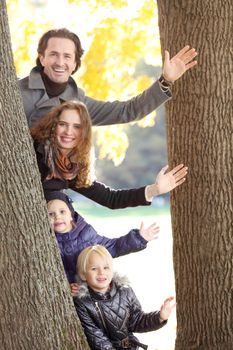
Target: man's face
pixel 58 59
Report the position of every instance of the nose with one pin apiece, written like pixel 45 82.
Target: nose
pixel 59 60
pixel 56 216
pixel 68 129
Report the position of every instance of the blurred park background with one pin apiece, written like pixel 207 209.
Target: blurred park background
pixel 122 57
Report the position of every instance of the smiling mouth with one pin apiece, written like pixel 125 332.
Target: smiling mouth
pixel 59 70
pixel 59 224
pixel 102 279
pixel 66 139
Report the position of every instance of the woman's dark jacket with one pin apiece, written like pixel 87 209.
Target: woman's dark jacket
pixel 110 319
pixel 84 235
pixel 98 192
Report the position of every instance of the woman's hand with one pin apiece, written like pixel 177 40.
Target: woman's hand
pixel 166 181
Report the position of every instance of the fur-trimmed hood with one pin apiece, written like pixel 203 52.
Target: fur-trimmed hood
pixel 118 281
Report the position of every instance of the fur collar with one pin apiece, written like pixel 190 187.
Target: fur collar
pixel 117 281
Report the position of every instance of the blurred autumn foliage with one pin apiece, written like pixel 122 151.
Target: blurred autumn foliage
pixel 122 49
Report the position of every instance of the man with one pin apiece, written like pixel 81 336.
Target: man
pixel 50 82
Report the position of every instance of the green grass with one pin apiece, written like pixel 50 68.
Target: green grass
pixel 91 210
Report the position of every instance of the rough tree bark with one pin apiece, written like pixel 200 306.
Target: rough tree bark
pixel 36 310
pixel 199 128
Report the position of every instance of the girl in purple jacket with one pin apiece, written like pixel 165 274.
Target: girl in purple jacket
pixel 73 234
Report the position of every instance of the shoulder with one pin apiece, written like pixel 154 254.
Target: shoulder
pixel 31 86
pixel 84 227
pixel 81 225
pixel 74 90
pixel 83 291
pixel 23 82
pixel 121 280
pixel 39 146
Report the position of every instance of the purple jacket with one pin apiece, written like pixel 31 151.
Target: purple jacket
pixel 84 235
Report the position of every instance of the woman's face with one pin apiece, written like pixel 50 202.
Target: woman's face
pixel 68 130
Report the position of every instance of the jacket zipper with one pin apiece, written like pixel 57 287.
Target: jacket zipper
pixel 101 315
pixel 125 320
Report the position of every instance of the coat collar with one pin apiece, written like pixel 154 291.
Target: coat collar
pixel 36 83
pixel 117 282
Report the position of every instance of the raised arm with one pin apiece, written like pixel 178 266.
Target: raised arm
pixel 133 241
pixel 123 198
pixel 114 199
pixel 140 321
pixel 106 113
pixel 118 112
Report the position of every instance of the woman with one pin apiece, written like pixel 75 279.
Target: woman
pixel 63 141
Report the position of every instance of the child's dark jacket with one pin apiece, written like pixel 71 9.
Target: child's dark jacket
pixel 84 235
pixel 110 319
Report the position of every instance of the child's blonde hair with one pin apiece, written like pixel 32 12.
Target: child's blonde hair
pixel 84 257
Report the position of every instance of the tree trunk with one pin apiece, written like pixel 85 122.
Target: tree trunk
pixel 36 310
pixel 199 128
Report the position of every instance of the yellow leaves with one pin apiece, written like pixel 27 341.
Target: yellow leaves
pixel 96 63
pixel 148 121
pixel 148 11
pixel 23 52
pixel 112 142
pixel 102 3
pixel 25 30
pixel 143 82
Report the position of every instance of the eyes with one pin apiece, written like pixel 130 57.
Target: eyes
pixel 56 54
pixel 63 124
pixel 53 214
pixel 96 268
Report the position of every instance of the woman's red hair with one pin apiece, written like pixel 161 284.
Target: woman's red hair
pixel 81 155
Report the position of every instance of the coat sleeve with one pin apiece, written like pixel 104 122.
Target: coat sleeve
pixel 96 337
pixel 111 198
pixel 140 321
pixel 129 243
pixel 118 112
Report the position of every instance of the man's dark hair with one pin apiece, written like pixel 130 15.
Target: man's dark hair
pixel 64 34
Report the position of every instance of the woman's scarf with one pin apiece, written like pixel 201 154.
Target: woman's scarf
pixel 61 166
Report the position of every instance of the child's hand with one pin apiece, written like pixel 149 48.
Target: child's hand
pixel 150 232
pixel 74 289
pixel 167 308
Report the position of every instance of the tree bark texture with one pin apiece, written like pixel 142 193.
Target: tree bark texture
pixel 200 134
pixel 36 310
